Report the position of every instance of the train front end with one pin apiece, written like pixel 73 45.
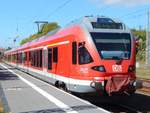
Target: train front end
pixel 113 69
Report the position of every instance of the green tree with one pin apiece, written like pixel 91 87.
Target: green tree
pixel 44 29
pixel 141 35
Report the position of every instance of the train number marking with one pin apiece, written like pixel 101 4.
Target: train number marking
pixel 117 68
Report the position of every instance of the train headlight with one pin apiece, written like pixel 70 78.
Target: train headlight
pixel 131 68
pixel 99 68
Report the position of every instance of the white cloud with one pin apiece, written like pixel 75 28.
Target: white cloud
pixel 122 2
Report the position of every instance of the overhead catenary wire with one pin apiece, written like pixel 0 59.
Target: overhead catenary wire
pixel 137 16
pixel 58 8
pixel 139 10
pixel 132 13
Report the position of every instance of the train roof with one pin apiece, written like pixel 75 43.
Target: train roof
pixel 101 23
pixel 90 23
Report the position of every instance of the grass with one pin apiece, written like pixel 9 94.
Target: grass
pixel 1 108
pixel 143 71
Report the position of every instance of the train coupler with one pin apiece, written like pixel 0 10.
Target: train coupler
pixel 99 87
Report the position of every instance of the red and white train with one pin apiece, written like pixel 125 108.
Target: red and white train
pixel 92 54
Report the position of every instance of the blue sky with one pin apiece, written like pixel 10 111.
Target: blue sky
pixel 17 16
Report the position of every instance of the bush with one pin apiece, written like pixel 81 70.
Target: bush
pixel 141 35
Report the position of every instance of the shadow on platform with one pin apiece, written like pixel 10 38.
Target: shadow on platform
pixel 58 110
pixel 6 75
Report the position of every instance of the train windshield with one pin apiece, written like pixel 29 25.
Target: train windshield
pixel 113 46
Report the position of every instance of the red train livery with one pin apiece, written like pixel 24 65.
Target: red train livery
pixel 92 54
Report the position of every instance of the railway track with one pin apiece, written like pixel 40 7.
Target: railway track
pixel 138 103
pixel 118 108
pixel 146 86
pixel 128 109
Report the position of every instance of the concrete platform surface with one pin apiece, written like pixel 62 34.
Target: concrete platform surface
pixel 21 93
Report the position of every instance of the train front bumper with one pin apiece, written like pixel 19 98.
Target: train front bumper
pixel 107 89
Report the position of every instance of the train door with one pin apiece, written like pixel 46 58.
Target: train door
pixel 51 64
pixel 54 59
pixel 49 59
pixel 73 63
pixel 67 65
pixel 62 67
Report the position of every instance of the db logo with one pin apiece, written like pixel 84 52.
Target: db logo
pixel 117 68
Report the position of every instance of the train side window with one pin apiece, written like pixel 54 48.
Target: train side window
pixel 37 58
pixel 84 55
pixel 29 56
pixel 32 58
pixel 49 59
pixel 17 58
pixel 55 54
pixel 74 52
pixel 41 63
pixel 25 57
pixel 20 58
pixel 12 58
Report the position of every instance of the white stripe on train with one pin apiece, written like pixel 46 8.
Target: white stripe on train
pixel 59 77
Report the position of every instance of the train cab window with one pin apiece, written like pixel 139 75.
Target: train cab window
pixel 74 52
pixel 84 55
pixel 112 46
pixel 55 54
pixel 49 59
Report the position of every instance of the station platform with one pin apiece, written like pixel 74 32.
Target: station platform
pixel 22 93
